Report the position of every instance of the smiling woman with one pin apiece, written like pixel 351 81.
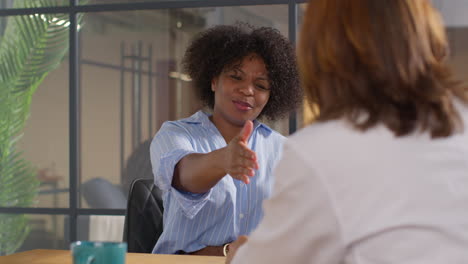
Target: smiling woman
pixel 215 169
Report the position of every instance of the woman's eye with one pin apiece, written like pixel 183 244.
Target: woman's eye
pixel 235 77
pixel 261 87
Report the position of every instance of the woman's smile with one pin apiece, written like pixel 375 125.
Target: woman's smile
pixel 242 105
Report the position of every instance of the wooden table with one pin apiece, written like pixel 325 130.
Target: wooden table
pixel 48 256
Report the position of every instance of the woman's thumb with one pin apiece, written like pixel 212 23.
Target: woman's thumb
pixel 246 131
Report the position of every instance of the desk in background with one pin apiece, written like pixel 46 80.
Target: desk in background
pixel 48 256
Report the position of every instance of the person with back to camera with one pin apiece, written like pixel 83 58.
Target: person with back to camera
pixel 382 176
pixel 215 169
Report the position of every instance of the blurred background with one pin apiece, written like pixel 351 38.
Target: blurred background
pixel 91 112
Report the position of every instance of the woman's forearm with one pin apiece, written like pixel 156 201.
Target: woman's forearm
pixel 198 173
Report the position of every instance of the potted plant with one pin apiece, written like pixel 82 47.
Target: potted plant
pixel 31 47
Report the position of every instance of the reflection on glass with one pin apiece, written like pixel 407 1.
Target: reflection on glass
pixel 46 138
pixel 43 231
pixel 4 4
pixel 132 81
pixel 45 142
pixel 34 156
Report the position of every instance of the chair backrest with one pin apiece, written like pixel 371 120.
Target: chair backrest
pixel 144 216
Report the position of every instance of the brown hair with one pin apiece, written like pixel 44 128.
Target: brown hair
pixel 381 59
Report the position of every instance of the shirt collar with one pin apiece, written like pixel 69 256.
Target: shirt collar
pixel 201 117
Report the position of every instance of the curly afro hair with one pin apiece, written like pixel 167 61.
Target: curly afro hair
pixel 221 46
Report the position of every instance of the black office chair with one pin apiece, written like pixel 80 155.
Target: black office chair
pixel 144 216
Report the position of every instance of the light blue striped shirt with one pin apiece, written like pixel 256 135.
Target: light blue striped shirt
pixel 231 208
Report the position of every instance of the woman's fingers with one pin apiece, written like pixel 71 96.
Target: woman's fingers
pixel 242 161
pixel 249 158
pixel 239 172
pixel 247 163
pixel 247 153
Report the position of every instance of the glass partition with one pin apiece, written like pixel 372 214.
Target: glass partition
pixel 132 81
pixel 124 74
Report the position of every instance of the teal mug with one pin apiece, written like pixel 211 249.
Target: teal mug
pixel 87 252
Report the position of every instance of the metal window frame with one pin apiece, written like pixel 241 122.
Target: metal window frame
pixel 74 92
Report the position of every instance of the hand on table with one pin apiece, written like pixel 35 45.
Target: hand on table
pixel 240 160
pixel 234 246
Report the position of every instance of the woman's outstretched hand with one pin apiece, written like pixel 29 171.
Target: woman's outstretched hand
pixel 240 160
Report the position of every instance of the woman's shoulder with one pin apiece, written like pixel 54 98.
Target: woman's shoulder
pixel 269 139
pixel 319 131
pixel 267 131
pixel 325 139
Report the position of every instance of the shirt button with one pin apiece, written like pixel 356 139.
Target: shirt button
pixel 241 216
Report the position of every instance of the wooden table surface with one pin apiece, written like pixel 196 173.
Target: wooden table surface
pixel 49 256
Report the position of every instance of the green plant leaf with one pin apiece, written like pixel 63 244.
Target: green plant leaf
pixel 31 47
